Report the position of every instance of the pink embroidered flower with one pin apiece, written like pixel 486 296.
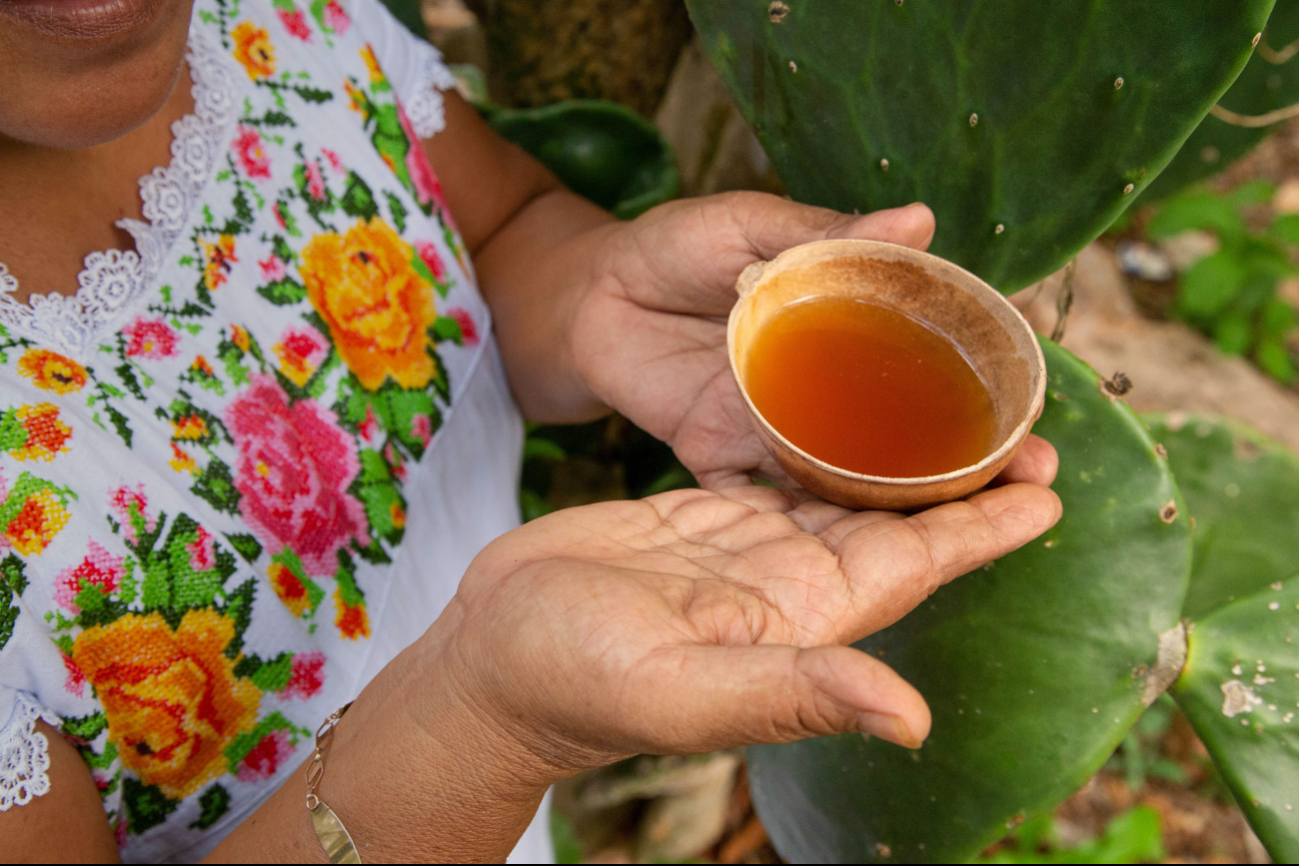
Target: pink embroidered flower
pixel 315 181
pixel 293 471
pixel 149 338
pixel 128 506
pixel 252 155
pixel 273 269
pixel 306 676
pixel 264 759
pixel 421 427
pixel 468 329
pixel 427 188
pixel 295 23
pixel 428 254
pixel 99 569
pixel 75 684
pixel 335 18
pixel 202 551
pixel 301 352
pixel 369 428
pixel 334 162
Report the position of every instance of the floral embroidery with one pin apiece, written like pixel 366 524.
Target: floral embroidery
pixel 32 514
pixel 468 330
pixel 252 156
pixel 253 50
pixel 100 573
pixel 333 18
pixel 294 468
pixel 219 255
pixel 34 432
pixel 293 20
pixel 305 676
pixel 149 338
pixel 52 372
pixel 301 352
pixel 366 286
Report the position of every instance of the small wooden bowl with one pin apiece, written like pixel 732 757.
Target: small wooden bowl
pixel 992 334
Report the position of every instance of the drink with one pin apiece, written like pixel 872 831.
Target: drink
pixel 867 389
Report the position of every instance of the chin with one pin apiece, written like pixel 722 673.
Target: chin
pixel 78 73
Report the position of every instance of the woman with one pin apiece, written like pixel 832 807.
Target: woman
pixel 259 420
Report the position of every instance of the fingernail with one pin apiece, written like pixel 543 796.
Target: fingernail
pixel 888 727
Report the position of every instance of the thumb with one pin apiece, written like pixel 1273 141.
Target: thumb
pixel 911 226
pixel 742 695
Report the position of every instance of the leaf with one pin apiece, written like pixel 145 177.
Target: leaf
pixel 1196 210
pixel 1034 668
pixel 215 801
pixel 1233 334
pixel 245 545
pixel 1273 358
pixel 1209 285
pixel 146 805
pixel 283 292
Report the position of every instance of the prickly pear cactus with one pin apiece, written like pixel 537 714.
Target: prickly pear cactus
pixel 1269 83
pixel 1240 686
pixel 1027 126
pixel 1035 667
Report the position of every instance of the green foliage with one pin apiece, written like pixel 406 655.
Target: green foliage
pixel 601 150
pixel 1231 294
pixel 1132 837
pixel 1269 82
pixel 1034 668
pixel 1139 757
pixel 994 114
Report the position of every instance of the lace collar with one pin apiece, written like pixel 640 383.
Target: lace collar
pixel 113 283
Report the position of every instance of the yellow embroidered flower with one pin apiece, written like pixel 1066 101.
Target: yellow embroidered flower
pixel 189 427
pixel 217 258
pixel 171 697
pixel 351 621
pixel 289 588
pixel 52 372
pixel 201 365
pixel 239 336
pixel 181 461
pixel 253 49
pixel 44 433
pixel 377 306
pixel 372 65
pixel 398 515
pixel 39 519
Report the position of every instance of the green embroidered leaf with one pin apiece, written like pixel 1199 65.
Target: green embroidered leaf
pixel 398 211
pixel 12 571
pixel 345 578
pixel 245 545
pixel 421 267
pixel 239 608
pixel 385 509
pixel 357 199
pixel 8 615
pixel 146 805
pixel 447 328
pixel 373 467
pixel 85 727
pixel 13 435
pixel 283 292
pixel 100 760
pixel 273 675
pixel 217 486
pixel 241 745
pixel 215 801
pixel 415 418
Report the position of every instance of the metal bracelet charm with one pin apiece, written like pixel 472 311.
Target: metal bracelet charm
pixel 333 836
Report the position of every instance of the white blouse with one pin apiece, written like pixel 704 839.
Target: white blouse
pixel 248 462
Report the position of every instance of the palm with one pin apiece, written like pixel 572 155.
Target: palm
pixel 651 336
pixel 689 591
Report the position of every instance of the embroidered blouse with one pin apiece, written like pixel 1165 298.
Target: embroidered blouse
pixel 248 462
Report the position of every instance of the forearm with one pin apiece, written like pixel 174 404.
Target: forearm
pixel 534 272
pixel 413 773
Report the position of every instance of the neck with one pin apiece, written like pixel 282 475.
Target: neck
pixel 61 205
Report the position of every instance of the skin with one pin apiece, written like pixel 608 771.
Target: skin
pixel 736 600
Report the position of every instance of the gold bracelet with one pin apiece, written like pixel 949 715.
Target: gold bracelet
pixel 333 836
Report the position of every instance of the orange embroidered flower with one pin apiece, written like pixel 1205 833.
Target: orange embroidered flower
pixel 217 257
pixel 42 433
pixel 398 515
pixel 351 620
pixel 301 352
pixel 189 427
pixel 376 304
pixel 239 336
pixel 51 371
pixel 171 697
pixel 372 65
pixel 202 366
pixel 253 50
pixel 289 588
pixel 181 461
pixel 37 520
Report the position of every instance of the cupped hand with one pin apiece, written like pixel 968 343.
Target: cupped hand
pixel 650 337
pixel 697 620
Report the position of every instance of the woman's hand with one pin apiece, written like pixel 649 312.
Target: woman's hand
pixel 650 335
pixel 698 620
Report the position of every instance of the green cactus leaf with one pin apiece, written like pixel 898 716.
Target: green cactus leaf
pixel 599 149
pixel 1240 691
pixel 1035 667
pixel 1269 82
pixel 995 114
pixel 1243 493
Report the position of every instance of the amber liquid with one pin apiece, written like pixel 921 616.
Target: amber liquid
pixel 865 388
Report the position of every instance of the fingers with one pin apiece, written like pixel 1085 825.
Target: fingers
pixel 772 225
pixel 740 695
pixel 893 563
pixel 911 226
pixel 1036 462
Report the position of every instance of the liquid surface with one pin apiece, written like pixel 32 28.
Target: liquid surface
pixel 865 388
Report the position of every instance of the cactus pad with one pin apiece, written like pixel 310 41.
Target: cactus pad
pixel 1002 114
pixel 1034 668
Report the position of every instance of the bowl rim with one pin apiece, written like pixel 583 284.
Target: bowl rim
pixel 755 274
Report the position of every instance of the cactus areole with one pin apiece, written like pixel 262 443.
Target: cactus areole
pixel 996 113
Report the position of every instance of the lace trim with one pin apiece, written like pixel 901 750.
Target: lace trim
pixel 112 282
pixel 24 754
pixel 424 107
